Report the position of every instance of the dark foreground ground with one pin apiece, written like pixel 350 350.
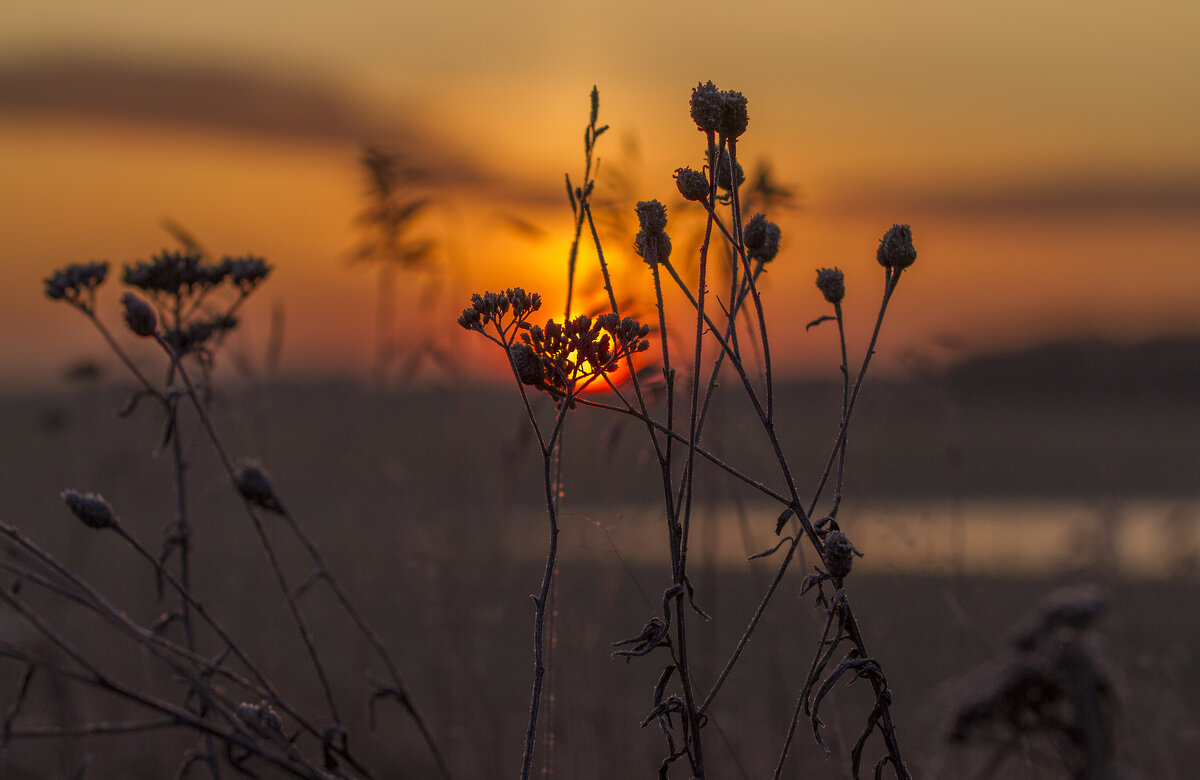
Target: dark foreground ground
pixel 427 502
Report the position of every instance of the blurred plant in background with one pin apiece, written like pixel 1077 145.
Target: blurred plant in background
pixel 395 243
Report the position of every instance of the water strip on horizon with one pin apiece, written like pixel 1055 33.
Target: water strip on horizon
pixel 1144 538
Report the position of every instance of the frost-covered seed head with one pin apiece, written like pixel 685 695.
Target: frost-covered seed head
pixel 896 248
pixel 839 555
pixel 734 118
pixel 652 216
pixel 706 107
pixel 692 184
pixel 832 284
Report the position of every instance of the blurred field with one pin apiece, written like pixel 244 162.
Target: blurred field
pixel 427 502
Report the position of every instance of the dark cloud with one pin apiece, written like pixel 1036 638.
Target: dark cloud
pixel 1175 195
pixel 231 100
pixel 216 98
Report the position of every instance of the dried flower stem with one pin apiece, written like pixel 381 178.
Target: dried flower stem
pixel 327 575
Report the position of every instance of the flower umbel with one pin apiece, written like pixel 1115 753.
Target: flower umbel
pixel 71 283
pixel 493 307
pixel 580 350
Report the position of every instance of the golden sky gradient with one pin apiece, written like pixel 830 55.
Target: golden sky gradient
pixel 1045 155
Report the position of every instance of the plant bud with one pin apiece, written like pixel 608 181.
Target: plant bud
pixel 252 481
pixel 91 508
pixel 723 174
pixel 139 315
pixel 528 364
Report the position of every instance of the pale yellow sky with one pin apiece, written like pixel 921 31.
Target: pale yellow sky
pixel 1044 152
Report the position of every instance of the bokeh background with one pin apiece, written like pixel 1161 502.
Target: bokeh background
pixel 1045 155
pixel 1032 422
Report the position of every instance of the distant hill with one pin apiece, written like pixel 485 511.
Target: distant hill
pixel 1166 366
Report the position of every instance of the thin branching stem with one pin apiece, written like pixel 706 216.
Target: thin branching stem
pixel 326 574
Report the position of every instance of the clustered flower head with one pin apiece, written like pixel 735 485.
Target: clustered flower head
pixel 247 272
pixel 559 356
pixel 68 284
pixel 91 508
pixel 195 335
pixel 832 284
pixel 726 179
pixel 177 284
pixel 896 248
pixel 175 273
pixel 652 243
pixel 692 184
pixel 492 307
pixel 761 237
pixel 718 111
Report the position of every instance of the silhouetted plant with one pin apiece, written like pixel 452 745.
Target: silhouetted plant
pixel 392 241
pixel 244 720
pixel 1054 686
pixel 561 358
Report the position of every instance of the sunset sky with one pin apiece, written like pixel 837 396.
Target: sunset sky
pixel 1045 154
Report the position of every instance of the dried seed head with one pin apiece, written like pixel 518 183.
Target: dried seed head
pixel 91 508
pixel 139 315
pixel 755 232
pixel 1073 609
pixel 734 118
pixel 654 248
pixel 761 238
pixel 839 555
pixel 692 184
pixel 651 243
pixel 261 718
pixel 723 176
pixel 528 364
pixel 832 284
pixel 706 107
pixel 652 216
pixel 253 482
pixel 896 248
